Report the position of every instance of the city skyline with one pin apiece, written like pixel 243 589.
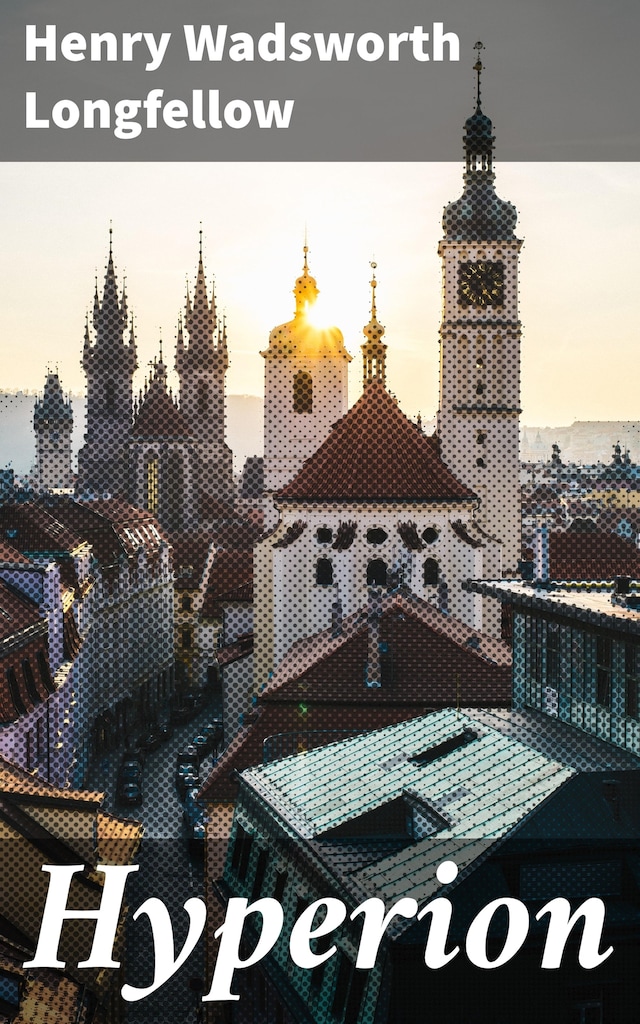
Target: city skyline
pixel 576 287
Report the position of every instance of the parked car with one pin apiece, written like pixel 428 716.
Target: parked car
pixel 189 755
pixel 130 768
pixel 187 778
pixel 202 745
pixel 214 730
pixel 129 782
pixel 129 791
pixel 194 822
pixel 134 753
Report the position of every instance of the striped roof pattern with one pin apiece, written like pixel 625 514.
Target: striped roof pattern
pixel 487 787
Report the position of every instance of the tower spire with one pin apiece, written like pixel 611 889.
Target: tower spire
pixel 306 290
pixel 374 351
pixel 478 68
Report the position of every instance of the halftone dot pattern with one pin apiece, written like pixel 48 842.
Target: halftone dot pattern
pixel 319 598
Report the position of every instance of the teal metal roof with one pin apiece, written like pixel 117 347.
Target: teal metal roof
pixel 483 789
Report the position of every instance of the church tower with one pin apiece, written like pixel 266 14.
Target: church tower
pixel 53 424
pixel 305 392
pixel 478 417
pixel 201 366
pixel 109 362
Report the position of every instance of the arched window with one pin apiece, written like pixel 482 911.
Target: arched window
pixel 203 397
pixel 14 691
pixel 324 572
pixel 431 572
pixel 110 396
pixel 302 392
pixel 377 573
pixel 30 682
pixel 45 671
pixel 151 485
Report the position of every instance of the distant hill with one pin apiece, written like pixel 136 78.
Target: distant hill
pixel 17 444
pixel 586 441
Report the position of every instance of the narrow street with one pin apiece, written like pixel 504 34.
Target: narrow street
pixel 168 871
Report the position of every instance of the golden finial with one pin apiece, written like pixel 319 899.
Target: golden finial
pixel 374 285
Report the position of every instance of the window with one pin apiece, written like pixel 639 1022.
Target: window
pixel 280 886
pixel 258 878
pixel 187 603
pixel 377 573
pixel 324 535
pixel 481 436
pixel 186 638
pixel 342 987
pixel 376 536
pixel 44 671
pixel 481 464
pixel 302 392
pixel 324 572
pixel 10 992
pixel 431 573
pixel 430 535
pixel 110 396
pixel 603 671
pixel 241 853
pixel 632 680
pixel 553 655
pixel 14 691
pixel 30 682
pixel 203 398
pixel 152 486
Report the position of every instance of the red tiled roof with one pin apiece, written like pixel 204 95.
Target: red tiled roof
pixel 230 579
pixel 375 453
pixel 17 612
pixel 591 555
pixel 11 555
pixel 35 528
pixel 432 658
pixel 159 416
pixel 112 526
pixel 320 685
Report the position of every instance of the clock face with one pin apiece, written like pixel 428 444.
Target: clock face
pixel 481 284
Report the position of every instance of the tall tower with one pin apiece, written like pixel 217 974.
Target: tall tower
pixel 305 386
pixel 53 424
pixel 478 417
pixel 109 362
pixel 202 365
pixel 374 351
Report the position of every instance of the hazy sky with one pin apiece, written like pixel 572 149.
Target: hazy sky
pixel 578 280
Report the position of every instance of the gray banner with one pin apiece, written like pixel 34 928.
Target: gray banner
pixel 560 80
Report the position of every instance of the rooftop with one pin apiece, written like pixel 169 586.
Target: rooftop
pixel 375 453
pixel 593 602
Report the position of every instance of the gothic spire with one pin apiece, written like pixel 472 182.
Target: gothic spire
pixel 306 290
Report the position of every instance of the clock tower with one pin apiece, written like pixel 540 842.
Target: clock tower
pixel 478 417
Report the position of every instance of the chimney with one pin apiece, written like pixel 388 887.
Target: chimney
pixel 541 553
pixel 374 674
pixel 336 615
